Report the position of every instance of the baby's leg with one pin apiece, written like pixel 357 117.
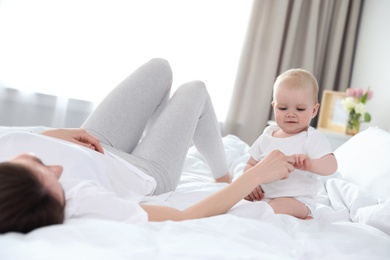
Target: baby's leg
pixel 289 206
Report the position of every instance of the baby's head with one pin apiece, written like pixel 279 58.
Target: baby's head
pixel 298 80
pixel 295 100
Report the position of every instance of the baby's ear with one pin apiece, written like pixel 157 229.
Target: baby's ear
pixel 315 109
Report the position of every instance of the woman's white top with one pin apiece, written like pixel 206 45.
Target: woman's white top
pixel 299 183
pixel 95 185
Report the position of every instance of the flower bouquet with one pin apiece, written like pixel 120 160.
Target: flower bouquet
pixel 355 104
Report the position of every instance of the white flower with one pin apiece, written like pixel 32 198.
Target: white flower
pixel 348 103
pixel 360 108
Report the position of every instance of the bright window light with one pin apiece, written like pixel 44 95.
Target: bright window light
pixel 83 48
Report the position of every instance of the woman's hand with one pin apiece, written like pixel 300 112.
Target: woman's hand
pixel 275 159
pixel 76 135
pixel 275 166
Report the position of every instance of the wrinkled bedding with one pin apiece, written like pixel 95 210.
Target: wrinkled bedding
pixel 350 223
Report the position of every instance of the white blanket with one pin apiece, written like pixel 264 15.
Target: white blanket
pixel 350 224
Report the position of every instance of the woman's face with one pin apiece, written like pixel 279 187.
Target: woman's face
pixel 48 175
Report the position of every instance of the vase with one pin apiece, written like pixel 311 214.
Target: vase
pixel 353 125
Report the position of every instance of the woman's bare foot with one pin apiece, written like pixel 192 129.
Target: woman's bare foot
pixel 227 178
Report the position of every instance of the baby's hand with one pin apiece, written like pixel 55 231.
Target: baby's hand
pixel 302 162
pixel 256 194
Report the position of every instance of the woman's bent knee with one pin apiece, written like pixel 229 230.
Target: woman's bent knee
pixel 195 88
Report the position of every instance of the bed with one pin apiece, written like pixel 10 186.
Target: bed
pixel 352 220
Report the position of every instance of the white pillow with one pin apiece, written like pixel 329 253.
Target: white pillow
pixel 365 160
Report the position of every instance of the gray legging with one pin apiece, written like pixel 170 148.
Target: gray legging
pixel 139 122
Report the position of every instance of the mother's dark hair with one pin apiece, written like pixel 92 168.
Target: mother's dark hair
pixel 25 204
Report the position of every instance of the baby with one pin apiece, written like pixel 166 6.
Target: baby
pixel 295 103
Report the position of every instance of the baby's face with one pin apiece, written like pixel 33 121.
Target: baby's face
pixel 294 107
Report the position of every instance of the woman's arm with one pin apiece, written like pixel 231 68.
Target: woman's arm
pixel 76 135
pixel 275 166
pixel 250 163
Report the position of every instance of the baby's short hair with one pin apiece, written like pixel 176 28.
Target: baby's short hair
pixel 299 78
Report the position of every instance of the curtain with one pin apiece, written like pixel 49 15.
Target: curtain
pixel 316 35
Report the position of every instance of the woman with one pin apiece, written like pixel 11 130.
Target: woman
pixel 133 145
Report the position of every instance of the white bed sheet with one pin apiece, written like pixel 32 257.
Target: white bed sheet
pixel 350 224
